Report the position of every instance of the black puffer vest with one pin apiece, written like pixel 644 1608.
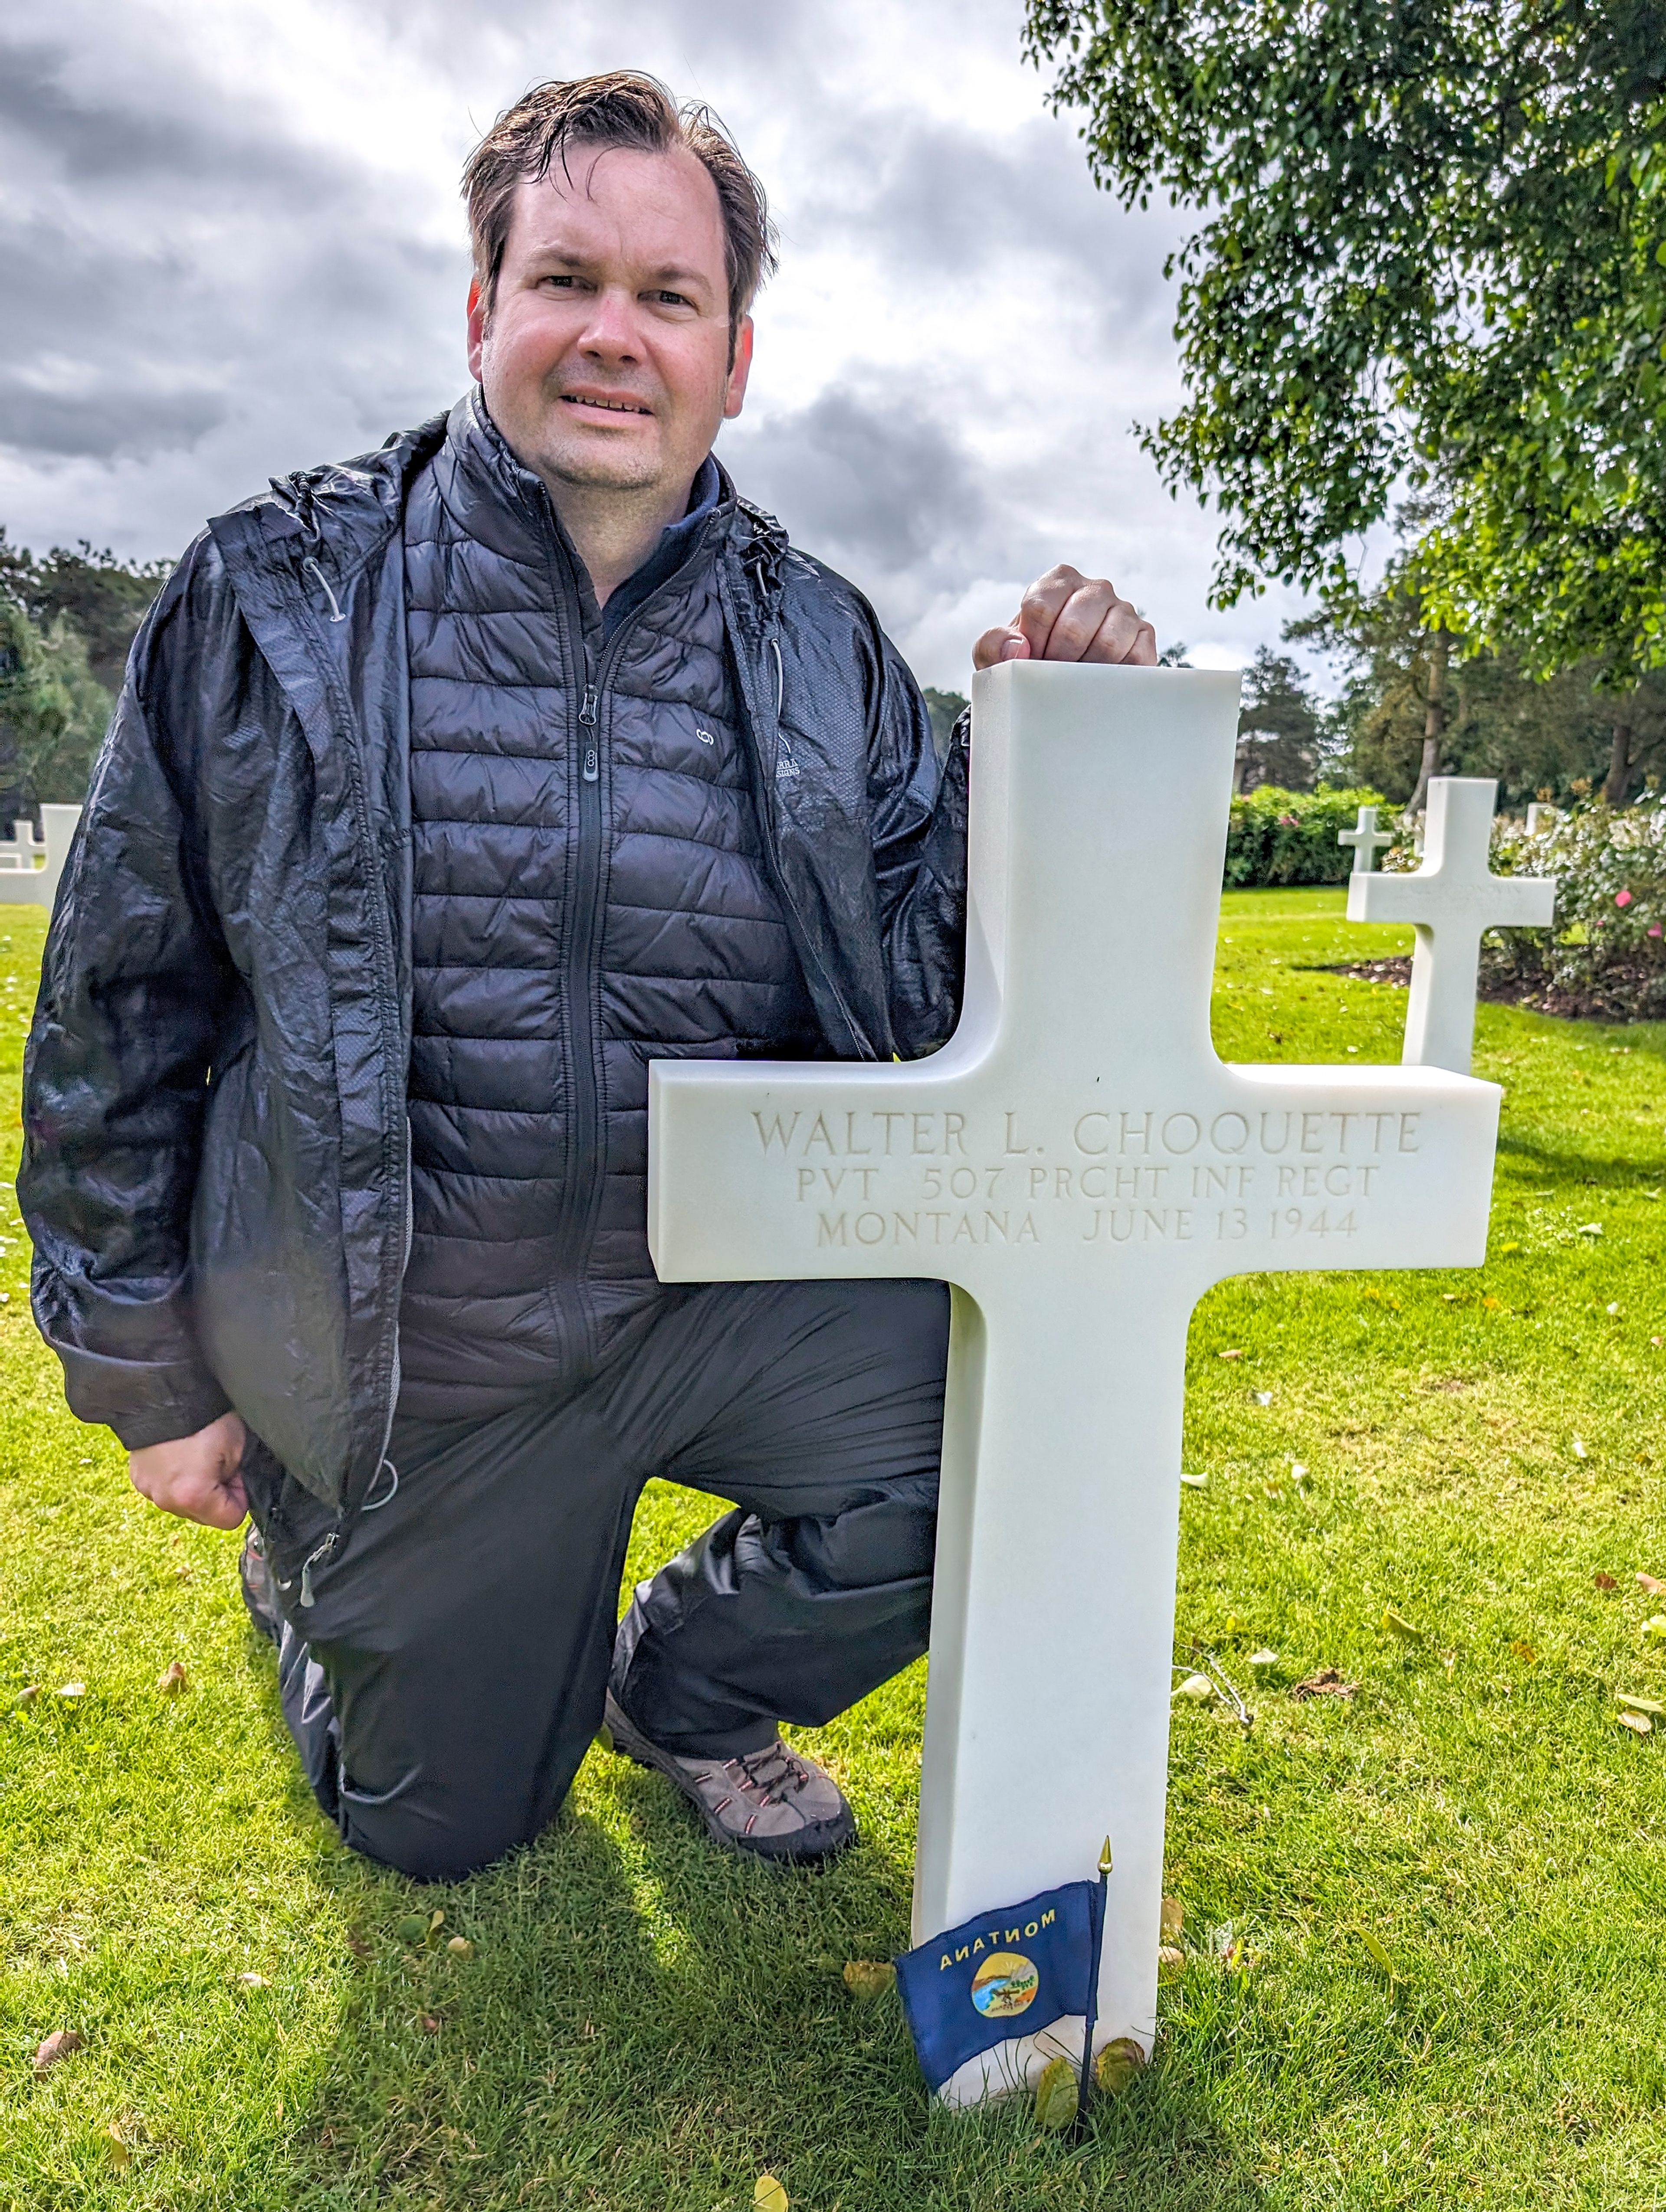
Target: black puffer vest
pixel 588 893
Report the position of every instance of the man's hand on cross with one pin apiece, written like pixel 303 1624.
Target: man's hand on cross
pixel 1066 615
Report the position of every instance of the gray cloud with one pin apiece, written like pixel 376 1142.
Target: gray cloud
pixel 99 140
pixel 111 424
pixel 875 483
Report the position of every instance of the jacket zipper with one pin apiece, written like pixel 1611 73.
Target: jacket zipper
pixel 586 1166
pixel 383 934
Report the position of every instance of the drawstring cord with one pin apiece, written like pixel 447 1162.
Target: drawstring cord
pixel 327 1547
pixel 335 614
pixel 376 1506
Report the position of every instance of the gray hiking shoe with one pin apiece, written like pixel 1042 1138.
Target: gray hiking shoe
pixel 773 1802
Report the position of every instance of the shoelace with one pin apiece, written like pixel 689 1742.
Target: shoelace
pixel 785 1774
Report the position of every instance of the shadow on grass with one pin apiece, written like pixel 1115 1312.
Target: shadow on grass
pixel 647 2022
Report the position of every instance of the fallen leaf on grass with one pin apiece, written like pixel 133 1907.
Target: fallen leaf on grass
pixel 1117 2064
pixel 173 1680
pixel 115 2150
pixel 1638 1723
pixel 460 1947
pixel 72 1689
pixel 1173 1919
pixel 1170 1961
pixel 58 2044
pixel 768 2195
pixel 1654 1629
pixel 1605 1581
pixel 428 2022
pixel 1235 1353
pixel 1195 1482
pixel 1579 1451
pixel 1377 1951
pixel 1526 1654
pixel 1327 1683
pixel 1397 1625
pixel 1263 1658
pixel 867 1978
pixel 1057 2094
pixel 1198 1687
pixel 412 1928
pixel 26 1696
pixel 1640 1704
pixel 253 1981
pixel 1652 1585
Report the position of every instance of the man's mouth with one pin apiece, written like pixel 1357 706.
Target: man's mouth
pixel 604 406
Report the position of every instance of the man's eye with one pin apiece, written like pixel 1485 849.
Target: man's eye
pixel 567 284
pixel 672 299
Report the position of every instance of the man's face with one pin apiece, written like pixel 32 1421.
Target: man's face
pixel 605 359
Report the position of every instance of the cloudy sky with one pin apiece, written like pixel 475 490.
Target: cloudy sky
pixel 231 245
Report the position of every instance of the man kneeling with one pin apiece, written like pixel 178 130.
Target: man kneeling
pixel 448 788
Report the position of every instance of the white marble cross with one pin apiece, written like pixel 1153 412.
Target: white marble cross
pixel 1077 1163
pixel 1540 817
pixel 22 884
pixel 1451 899
pixel 19 856
pixel 1364 838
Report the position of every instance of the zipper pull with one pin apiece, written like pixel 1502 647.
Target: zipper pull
pixel 587 712
pixel 317 1558
pixel 592 768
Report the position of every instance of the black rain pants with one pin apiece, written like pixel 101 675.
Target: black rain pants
pixel 449 1677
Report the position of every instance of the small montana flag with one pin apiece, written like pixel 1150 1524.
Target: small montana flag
pixel 1005 1974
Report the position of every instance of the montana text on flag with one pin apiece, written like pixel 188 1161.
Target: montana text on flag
pixel 1005 1974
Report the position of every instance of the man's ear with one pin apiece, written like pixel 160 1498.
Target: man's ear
pixel 478 318
pixel 739 369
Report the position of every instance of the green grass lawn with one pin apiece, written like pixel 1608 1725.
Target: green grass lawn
pixel 646 2026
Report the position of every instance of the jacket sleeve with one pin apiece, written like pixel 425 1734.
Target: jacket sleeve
pixel 134 982
pixel 919 813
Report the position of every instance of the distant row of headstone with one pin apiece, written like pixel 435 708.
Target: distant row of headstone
pixel 30 867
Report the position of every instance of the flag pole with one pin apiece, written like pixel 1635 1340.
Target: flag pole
pixel 1085 2088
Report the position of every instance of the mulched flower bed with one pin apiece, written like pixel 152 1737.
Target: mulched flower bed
pixel 1611 1000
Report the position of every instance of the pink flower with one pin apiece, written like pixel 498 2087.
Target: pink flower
pixel 1654 929
pixel 1622 898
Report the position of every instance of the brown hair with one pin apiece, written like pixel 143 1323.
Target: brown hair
pixel 621 107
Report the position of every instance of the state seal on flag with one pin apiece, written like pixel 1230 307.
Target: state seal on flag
pixel 1004 1984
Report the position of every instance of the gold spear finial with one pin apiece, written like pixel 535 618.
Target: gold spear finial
pixel 1104 1857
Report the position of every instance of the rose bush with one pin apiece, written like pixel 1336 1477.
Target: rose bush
pixel 1606 954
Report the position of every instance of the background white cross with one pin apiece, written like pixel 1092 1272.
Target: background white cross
pixel 1451 900
pixel 1080 1166
pixel 1364 838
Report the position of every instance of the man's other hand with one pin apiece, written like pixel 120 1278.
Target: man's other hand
pixel 197 1477
pixel 1067 616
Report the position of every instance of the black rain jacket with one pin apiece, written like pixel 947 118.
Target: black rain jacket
pixel 217 1153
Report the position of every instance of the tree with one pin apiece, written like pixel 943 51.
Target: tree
pixel 52 710
pixel 1280 732
pixel 945 708
pixel 1547 739
pixel 106 599
pixel 1431 248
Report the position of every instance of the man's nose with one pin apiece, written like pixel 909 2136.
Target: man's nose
pixel 613 330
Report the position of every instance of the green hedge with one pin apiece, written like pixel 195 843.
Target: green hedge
pixel 1290 837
